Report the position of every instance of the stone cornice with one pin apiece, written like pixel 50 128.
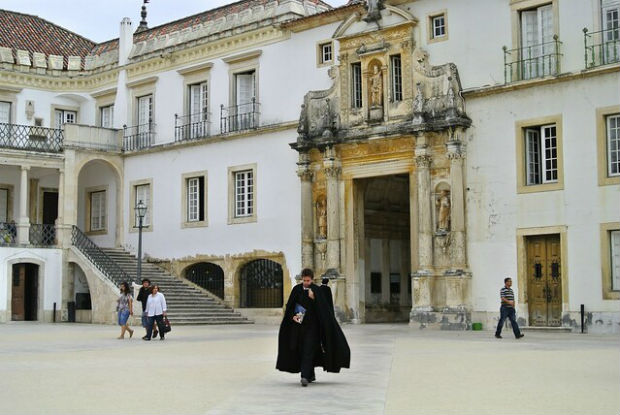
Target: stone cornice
pixel 243 56
pixel 195 68
pixel 83 83
pixel 142 81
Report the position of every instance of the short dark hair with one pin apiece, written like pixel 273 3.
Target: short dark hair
pixel 145 280
pixel 325 281
pixel 506 279
pixel 307 272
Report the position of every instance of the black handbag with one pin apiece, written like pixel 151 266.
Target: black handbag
pixel 167 327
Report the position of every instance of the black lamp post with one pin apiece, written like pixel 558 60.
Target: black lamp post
pixel 141 211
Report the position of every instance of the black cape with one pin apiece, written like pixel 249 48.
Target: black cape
pixel 332 354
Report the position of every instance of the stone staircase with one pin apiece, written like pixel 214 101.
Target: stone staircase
pixel 186 304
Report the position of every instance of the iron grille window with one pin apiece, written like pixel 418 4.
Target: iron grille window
pixel 541 154
pixel 107 116
pixel 195 197
pixel 262 283
pixel 143 194
pixel 439 26
pixel 98 210
pixel 207 275
pixel 613 144
pixel 326 52
pixel 397 78
pixel 244 193
pixel 356 85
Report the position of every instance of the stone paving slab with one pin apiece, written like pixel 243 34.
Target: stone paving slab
pixel 218 370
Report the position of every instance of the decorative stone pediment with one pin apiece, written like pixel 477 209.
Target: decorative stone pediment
pixel 358 23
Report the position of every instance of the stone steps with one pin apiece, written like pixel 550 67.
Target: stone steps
pixel 186 304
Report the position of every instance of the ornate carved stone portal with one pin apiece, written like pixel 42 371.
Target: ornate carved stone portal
pixel 388 114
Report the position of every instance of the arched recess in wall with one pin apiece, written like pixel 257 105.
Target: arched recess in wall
pixel 261 283
pixel 208 276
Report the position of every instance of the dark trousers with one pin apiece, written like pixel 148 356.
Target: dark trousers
pixel 507 312
pixel 309 344
pixel 160 324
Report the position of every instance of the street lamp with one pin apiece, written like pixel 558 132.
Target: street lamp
pixel 141 211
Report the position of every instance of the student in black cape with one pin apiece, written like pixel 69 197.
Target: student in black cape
pixel 327 293
pixel 309 333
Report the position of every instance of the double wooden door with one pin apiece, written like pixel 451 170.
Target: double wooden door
pixel 544 280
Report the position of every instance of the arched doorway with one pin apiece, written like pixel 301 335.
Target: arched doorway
pixel 207 275
pixel 83 304
pixel 261 284
pixel 25 292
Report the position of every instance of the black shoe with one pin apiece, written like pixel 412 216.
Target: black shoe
pixel 304 382
pixel 143 337
pixel 146 338
pixel 312 379
pixel 520 335
pixel 497 336
pixel 162 338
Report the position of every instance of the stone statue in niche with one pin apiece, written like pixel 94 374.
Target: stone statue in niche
pixel 443 217
pixel 321 213
pixel 376 87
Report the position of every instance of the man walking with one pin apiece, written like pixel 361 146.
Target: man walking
pixel 507 310
pixel 143 296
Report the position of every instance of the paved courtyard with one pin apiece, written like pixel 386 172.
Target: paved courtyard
pixel 84 369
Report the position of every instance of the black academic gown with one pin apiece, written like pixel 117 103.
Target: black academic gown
pixel 334 353
pixel 327 294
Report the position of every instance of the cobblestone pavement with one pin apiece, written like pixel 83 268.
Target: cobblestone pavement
pixel 84 369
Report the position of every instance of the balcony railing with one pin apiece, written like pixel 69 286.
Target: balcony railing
pixel 239 117
pixel 31 138
pixel 530 62
pixel 602 47
pixel 191 127
pixel 8 234
pixel 42 234
pixel 138 137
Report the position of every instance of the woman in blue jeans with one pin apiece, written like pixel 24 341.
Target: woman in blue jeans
pixel 124 309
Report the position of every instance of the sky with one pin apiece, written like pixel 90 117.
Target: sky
pixel 99 20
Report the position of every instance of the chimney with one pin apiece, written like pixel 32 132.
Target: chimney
pixel 125 41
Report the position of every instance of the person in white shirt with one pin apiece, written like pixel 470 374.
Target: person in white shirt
pixel 155 311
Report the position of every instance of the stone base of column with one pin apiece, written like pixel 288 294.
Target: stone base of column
pixel 23 233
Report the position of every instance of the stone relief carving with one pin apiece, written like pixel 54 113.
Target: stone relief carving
pixel 444 206
pixel 321 213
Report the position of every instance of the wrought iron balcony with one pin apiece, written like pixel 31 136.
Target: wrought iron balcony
pixel 530 62
pixel 8 234
pixel 42 234
pixel 602 47
pixel 31 138
pixel 239 117
pixel 191 127
pixel 138 137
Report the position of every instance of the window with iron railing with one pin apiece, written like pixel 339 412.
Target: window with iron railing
pixel 603 47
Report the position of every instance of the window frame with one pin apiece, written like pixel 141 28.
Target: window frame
pixel 320 53
pixel 396 78
pixel 604 179
pixel 102 109
pixel 64 110
pixel 608 291
pixel 233 218
pixel 9 200
pixel 357 95
pixel 430 24
pixel 608 142
pixel 88 217
pixel 542 148
pixel 9 112
pixel 521 128
pixel 202 201
pixel 133 222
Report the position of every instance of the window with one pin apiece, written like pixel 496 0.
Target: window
pixel 439 26
pixel 537 45
pixel 5 112
pixel 375 283
pixel 610 11
pixel 198 109
pixel 614 242
pixel 143 194
pixel 145 113
pixel 65 117
pixel 541 155
pixel 356 85
pixel 97 210
pixel 612 123
pixel 244 113
pixel 397 78
pixel 244 193
pixel 4 205
pixel 325 52
pixel 195 190
pixel 107 116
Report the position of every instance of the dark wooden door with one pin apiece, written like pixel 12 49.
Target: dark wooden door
pixel 544 280
pixel 50 207
pixel 18 292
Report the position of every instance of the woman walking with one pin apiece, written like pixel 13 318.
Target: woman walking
pixel 124 309
pixel 155 311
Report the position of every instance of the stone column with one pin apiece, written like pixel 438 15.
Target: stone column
pixel 457 211
pixel 332 176
pixel 23 221
pixel 307 246
pixel 385 271
pixel 61 207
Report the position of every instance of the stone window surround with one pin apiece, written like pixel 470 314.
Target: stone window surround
pixel 139 89
pixel 87 193
pixel 520 127
pixel 430 29
pixel 133 225
pixel 40 201
pixel 319 53
pixel 8 94
pixel 601 145
pixel 241 63
pixel 517 6
pixel 608 293
pixel 194 224
pixel 55 107
pixel 103 99
pixel 195 75
pixel 232 219
pixel 10 194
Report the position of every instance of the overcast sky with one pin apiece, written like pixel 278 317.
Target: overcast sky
pixel 98 20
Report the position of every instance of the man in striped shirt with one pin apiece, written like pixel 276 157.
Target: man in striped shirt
pixel 507 310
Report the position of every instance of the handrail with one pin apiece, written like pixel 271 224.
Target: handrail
pixel 239 117
pixel 138 137
pixel 31 138
pixel 8 234
pixel 602 47
pixel 192 126
pixel 104 263
pixel 533 61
